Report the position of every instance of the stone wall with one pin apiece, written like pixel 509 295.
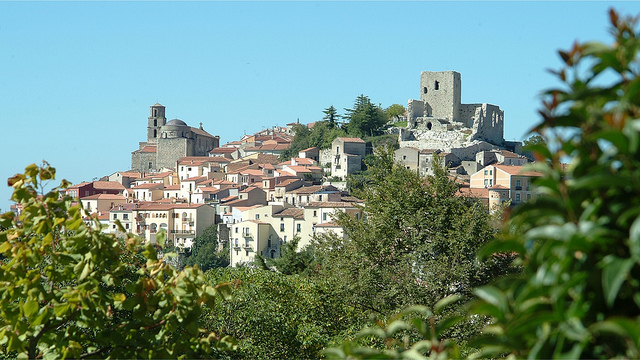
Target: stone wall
pixel 170 150
pixel 441 93
pixel 140 161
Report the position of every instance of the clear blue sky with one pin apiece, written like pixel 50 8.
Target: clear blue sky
pixel 77 78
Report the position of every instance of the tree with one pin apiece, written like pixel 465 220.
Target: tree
pixel 415 244
pixel 206 252
pixel 68 290
pixel 579 242
pixel 365 119
pixel 394 111
pixel 277 316
pixel 331 116
pixel 291 261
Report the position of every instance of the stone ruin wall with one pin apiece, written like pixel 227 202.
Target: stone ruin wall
pixel 485 120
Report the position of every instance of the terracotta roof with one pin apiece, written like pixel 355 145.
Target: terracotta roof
pixel 288 182
pixel 306 189
pixel 195 160
pixel 299 161
pixel 201 132
pixel 290 212
pixel 149 149
pixel 133 174
pixel 108 185
pixel 481 193
pixel 104 197
pixel 498 187
pixel 267 159
pixel 508 154
pixel 332 204
pixel 149 186
pixel 309 149
pixel 328 224
pixel 223 150
pixel 269 147
pixel 350 139
pixel 251 172
pixel 196 179
pixel 517 170
pixel 172 187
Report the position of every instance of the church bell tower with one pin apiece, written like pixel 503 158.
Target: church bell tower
pixel 156 121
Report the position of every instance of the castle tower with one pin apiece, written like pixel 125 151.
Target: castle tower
pixel 156 121
pixel 440 92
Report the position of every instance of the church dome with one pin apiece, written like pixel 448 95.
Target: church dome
pixel 176 122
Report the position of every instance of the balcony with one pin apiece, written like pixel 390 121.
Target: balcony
pixel 518 187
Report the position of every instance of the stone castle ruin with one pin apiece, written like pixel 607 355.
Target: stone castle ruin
pixel 440 121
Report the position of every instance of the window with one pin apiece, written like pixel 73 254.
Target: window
pixel 404 157
pixel 257 216
pixel 298 228
pixel 486 182
pixel 124 216
pixel 424 89
pixel 269 242
pixel 115 216
pixel 150 165
pixel 528 196
pixel 236 230
pixel 486 172
pixel 436 85
pixel 285 239
pixel 337 149
pixel 247 252
pixel 126 226
pixel 518 184
pixel 281 227
pixel 315 213
pixel 324 217
pixel 517 197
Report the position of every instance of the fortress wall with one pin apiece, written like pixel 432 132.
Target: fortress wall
pixel 441 92
pixel 469 153
pixel 490 125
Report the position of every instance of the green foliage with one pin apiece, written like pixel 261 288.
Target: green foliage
pixel 320 135
pixel 415 245
pixel 365 119
pixel 291 261
pixel 413 333
pixel 68 290
pixel 206 252
pixel 394 111
pixel 277 316
pixel 579 243
pixel 331 117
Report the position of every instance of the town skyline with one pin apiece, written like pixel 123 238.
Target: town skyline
pixel 77 88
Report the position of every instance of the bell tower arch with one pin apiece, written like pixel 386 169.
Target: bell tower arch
pixel 156 121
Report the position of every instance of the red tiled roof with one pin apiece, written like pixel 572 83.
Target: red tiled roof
pixel 149 149
pixel 149 186
pixel 107 185
pixel 517 170
pixel 350 139
pixel 104 197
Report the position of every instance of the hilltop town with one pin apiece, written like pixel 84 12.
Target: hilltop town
pixel 183 181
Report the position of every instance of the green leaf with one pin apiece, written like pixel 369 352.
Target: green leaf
pixel 30 308
pixel 615 271
pixel 443 303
